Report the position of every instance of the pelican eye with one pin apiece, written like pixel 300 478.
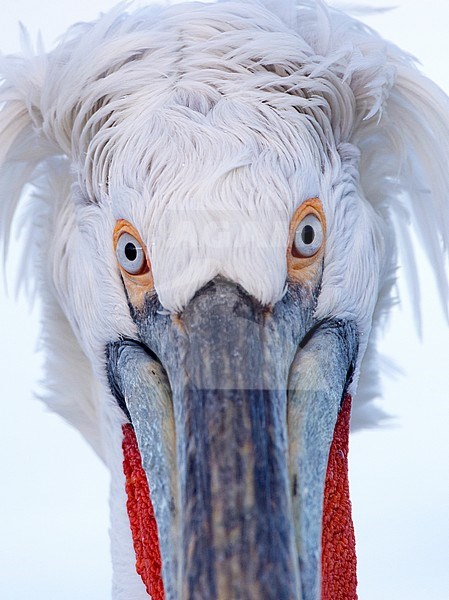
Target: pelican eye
pixel 131 255
pixel 308 237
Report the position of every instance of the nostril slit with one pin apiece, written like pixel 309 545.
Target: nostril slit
pixel 295 485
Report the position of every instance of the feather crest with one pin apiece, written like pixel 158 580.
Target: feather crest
pixel 377 129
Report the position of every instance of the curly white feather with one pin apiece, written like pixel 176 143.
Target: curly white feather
pixel 207 125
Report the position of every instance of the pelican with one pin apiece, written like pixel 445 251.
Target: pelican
pixel 218 191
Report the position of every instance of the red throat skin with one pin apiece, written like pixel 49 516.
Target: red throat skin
pixel 338 559
pixel 141 517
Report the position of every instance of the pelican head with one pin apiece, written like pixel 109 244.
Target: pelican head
pixel 217 194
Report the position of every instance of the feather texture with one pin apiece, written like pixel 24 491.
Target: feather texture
pixel 208 124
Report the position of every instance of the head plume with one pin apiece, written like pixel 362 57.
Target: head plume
pixel 381 126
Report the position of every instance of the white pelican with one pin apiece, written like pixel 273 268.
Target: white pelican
pixel 360 95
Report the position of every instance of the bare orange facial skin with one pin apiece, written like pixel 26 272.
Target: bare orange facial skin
pixel 305 269
pixel 139 284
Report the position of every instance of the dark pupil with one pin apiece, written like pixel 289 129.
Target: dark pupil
pixel 130 251
pixel 308 234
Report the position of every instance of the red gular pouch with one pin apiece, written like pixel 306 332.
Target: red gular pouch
pixel 338 557
pixel 141 517
pixel 338 560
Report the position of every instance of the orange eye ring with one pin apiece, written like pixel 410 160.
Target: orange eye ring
pixel 306 241
pixel 132 256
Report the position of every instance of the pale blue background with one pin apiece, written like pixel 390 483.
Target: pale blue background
pixel 53 495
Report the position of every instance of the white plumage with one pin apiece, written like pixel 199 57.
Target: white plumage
pixel 373 143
